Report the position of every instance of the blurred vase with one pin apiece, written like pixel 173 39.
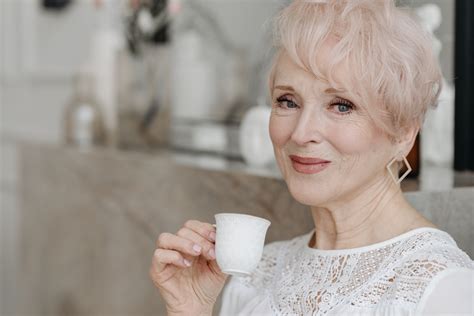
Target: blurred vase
pixel 194 78
pixel 106 45
pixel 255 143
pixel 83 121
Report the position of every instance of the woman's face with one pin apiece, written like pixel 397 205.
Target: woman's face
pixel 310 119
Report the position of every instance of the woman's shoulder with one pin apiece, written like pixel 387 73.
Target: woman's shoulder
pixel 425 256
pixel 449 292
pixel 434 248
pixel 445 273
pixel 415 263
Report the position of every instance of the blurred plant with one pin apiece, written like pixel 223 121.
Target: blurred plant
pixel 146 21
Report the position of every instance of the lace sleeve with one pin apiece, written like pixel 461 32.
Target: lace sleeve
pixel 420 270
pixel 450 292
pixel 240 290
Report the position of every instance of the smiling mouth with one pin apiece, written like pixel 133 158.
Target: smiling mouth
pixel 308 165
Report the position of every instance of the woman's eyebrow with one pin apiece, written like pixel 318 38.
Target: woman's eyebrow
pixel 288 88
pixel 334 91
pixel 327 91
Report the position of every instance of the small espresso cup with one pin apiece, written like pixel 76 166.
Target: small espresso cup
pixel 239 242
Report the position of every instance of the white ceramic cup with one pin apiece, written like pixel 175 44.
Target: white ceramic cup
pixel 239 242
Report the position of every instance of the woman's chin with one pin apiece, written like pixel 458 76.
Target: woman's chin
pixel 308 197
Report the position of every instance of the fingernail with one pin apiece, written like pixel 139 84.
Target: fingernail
pixel 212 235
pixel 197 248
pixel 186 262
pixel 212 254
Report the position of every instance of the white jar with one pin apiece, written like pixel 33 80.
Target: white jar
pixel 255 143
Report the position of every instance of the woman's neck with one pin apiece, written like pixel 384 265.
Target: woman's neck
pixel 373 215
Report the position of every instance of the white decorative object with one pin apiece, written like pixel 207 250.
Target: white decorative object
pixel 210 137
pixel 106 44
pixel 105 47
pixel 437 135
pixel 194 78
pixel 239 242
pixel 255 143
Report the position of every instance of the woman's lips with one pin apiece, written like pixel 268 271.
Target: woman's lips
pixel 308 165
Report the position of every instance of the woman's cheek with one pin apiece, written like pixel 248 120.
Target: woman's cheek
pixel 280 132
pixel 280 129
pixel 350 141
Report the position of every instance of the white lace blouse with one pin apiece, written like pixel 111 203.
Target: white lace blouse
pixel 421 272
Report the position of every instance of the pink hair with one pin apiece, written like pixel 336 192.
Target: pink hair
pixel 393 68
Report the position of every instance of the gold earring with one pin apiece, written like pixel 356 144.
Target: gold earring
pixel 405 161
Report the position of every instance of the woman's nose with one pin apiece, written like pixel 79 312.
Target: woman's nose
pixel 307 129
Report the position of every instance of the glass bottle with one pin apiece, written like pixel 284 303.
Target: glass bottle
pixel 84 126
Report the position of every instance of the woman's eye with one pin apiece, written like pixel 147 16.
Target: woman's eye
pixel 342 107
pixel 285 102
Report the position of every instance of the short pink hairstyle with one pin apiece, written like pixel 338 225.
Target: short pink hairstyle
pixel 393 69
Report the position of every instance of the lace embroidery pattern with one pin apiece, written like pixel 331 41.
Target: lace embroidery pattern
pixel 299 281
pixel 265 271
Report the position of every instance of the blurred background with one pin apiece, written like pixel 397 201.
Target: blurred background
pixel 120 119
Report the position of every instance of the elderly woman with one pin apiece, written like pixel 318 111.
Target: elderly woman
pixel 350 85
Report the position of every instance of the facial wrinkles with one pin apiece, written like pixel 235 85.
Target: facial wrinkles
pixel 313 117
pixel 311 120
pixel 355 186
pixel 360 208
pixel 281 156
pixel 378 198
pixel 314 120
pixel 352 162
pixel 346 167
pixel 311 127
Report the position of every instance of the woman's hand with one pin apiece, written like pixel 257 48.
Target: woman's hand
pixel 185 271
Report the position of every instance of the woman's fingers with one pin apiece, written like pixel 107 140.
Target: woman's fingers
pixel 186 246
pixel 164 257
pixel 194 239
pixel 206 230
pixel 164 265
pixel 206 247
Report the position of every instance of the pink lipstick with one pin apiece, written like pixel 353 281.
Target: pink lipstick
pixel 308 165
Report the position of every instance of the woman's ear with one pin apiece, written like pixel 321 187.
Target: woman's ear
pixel 407 139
